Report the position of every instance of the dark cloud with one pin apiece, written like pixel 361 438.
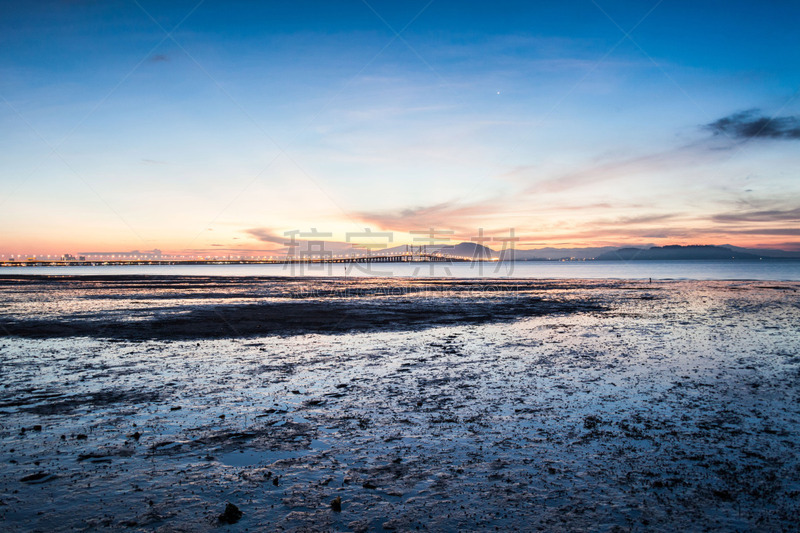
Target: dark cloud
pixel 266 235
pixel 410 218
pixel 769 215
pixel 300 241
pixel 751 125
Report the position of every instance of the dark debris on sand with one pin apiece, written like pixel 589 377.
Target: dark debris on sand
pixel 231 515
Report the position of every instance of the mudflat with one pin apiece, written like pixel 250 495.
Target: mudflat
pixel 151 403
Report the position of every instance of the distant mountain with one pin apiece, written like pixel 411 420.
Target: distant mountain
pixel 677 252
pixel 554 254
pixel 764 252
pixel 471 250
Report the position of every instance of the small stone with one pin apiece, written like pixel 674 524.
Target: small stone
pixel 336 504
pixel 231 515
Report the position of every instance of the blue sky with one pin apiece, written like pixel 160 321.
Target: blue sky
pixel 576 123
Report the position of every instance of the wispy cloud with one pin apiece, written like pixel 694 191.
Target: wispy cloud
pixel 218 249
pixel 615 169
pixel 795 232
pixel 751 124
pixel 301 242
pixel 634 220
pixel 445 215
pixel 768 215
pixel 267 235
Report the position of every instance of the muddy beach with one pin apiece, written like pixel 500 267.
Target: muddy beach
pixel 151 403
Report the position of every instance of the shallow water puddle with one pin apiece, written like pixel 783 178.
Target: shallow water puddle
pixel 252 457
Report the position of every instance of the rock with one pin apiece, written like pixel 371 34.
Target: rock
pixel 41 477
pixel 81 436
pixel 723 495
pixel 231 515
pixel 591 421
pixel 369 485
pixel 336 504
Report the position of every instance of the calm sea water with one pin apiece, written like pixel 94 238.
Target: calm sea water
pixel 699 270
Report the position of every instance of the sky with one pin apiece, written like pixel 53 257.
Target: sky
pixel 212 128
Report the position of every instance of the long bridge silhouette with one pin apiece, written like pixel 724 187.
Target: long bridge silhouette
pixel 303 258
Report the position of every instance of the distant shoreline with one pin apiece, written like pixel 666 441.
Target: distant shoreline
pixel 126 263
pixel 783 270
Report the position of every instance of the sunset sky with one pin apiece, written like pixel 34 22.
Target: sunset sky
pixel 216 127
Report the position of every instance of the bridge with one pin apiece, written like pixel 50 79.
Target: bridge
pixel 405 257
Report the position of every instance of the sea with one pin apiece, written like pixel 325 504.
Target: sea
pixel 657 270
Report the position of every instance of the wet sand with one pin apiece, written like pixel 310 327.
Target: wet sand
pixel 167 308
pixel 147 404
